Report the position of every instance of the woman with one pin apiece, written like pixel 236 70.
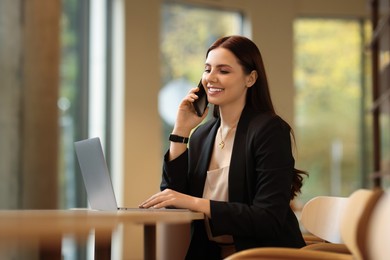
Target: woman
pixel 238 168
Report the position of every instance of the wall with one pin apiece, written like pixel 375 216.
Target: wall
pixel 29 73
pixel 142 133
pixel 29 77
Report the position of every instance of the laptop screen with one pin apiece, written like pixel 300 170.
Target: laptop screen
pixel 95 174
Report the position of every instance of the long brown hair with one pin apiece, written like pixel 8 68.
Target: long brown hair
pixel 258 96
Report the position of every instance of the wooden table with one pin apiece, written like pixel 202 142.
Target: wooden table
pixel 49 226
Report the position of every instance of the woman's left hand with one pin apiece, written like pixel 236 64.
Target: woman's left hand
pixel 171 198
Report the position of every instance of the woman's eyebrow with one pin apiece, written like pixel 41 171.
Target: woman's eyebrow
pixel 219 65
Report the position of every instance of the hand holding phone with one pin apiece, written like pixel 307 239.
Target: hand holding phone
pixel 201 103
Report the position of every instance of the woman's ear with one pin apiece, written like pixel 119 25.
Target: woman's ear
pixel 251 79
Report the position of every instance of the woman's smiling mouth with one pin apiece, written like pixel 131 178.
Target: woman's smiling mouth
pixel 214 90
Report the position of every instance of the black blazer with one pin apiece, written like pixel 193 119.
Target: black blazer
pixel 258 213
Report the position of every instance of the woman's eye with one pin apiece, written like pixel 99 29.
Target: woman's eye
pixel 207 70
pixel 224 71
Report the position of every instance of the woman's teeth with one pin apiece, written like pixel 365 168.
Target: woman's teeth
pixel 215 89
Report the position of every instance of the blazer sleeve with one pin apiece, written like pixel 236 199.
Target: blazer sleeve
pixel 174 174
pixel 269 170
pixel 186 173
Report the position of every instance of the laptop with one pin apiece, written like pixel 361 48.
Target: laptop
pixel 96 177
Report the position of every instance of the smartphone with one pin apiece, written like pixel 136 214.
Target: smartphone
pixel 201 103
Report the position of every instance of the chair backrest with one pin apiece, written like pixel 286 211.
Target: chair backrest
pixel 351 217
pixel 377 238
pixel 321 217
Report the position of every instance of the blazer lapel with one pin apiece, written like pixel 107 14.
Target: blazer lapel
pixel 237 170
pixel 204 160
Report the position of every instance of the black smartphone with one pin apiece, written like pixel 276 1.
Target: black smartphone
pixel 201 103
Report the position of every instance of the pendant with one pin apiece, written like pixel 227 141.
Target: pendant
pixel 221 144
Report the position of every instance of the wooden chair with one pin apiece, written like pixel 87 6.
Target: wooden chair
pixel 350 222
pixel 321 217
pixel 344 214
pixel 358 204
pixel 374 235
pixel 278 253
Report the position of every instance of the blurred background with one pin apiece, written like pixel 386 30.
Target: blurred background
pixel 117 69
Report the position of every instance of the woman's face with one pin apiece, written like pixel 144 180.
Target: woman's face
pixel 224 79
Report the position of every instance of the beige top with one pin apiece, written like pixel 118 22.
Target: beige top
pixel 216 188
pixel 217 185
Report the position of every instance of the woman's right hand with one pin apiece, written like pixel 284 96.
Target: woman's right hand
pixel 186 118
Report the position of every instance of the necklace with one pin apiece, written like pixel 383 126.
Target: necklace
pixel 221 144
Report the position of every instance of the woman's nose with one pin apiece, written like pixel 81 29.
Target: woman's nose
pixel 211 77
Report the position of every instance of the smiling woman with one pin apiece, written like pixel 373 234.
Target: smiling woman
pixel 238 168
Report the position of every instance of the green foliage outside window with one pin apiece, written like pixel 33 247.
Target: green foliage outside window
pixel 328 81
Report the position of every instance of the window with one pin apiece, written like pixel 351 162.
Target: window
pixel 73 99
pixel 331 105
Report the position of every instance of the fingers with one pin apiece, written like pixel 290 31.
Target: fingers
pixel 149 202
pixel 191 96
pixel 159 200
